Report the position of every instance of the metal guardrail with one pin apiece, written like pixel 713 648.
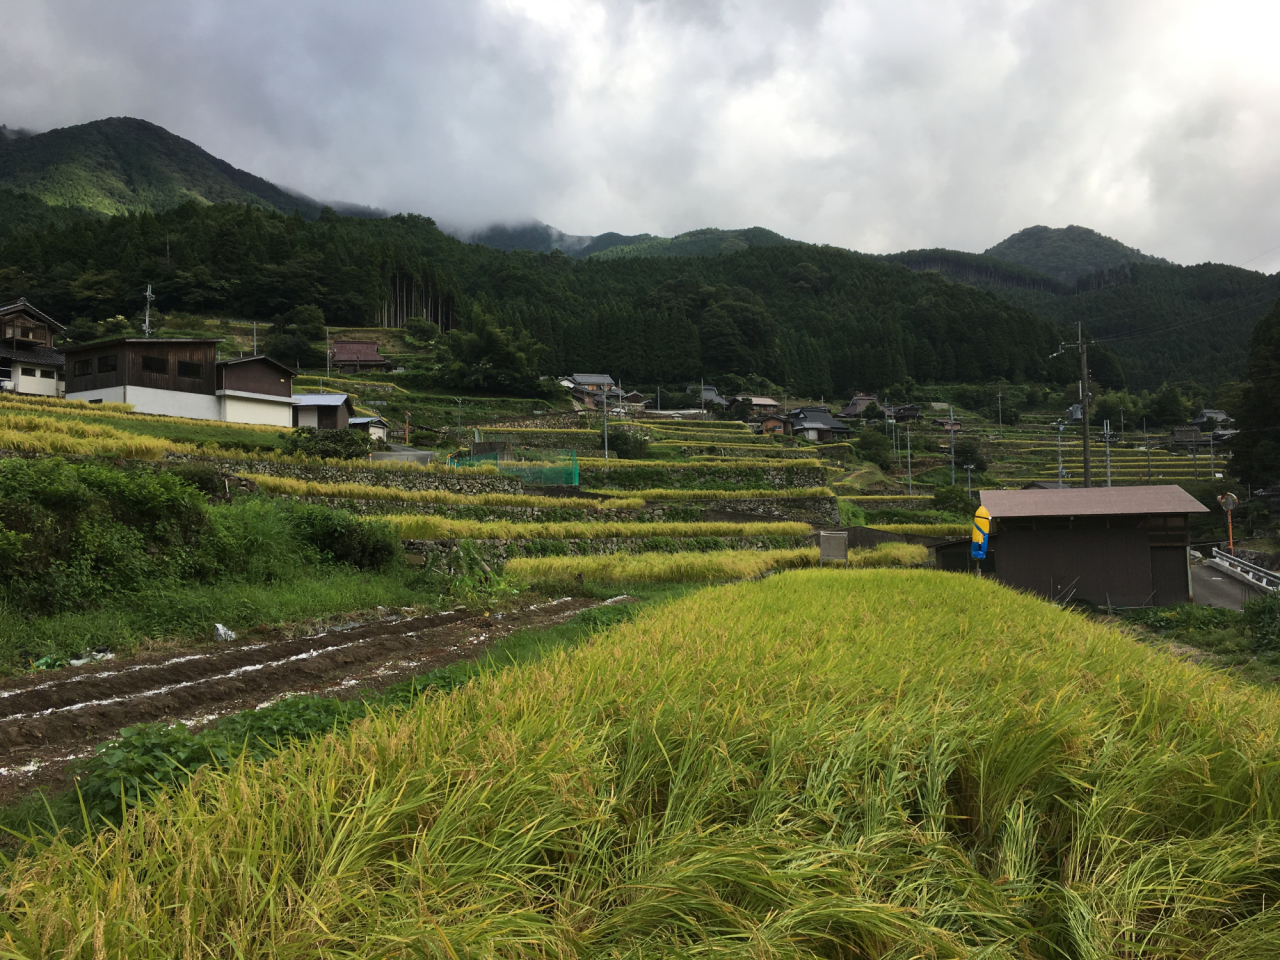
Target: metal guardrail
pixel 1264 578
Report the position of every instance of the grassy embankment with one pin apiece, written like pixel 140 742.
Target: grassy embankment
pixel 825 763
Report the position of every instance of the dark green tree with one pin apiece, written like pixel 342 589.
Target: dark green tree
pixel 485 356
pixel 1255 450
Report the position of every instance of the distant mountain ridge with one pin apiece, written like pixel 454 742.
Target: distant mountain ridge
pixel 1067 253
pixel 538 237
pixel 124 165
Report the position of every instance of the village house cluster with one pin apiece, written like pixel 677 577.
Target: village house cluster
pixel 175 376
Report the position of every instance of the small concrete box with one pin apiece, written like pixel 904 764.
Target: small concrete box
pixel 833 545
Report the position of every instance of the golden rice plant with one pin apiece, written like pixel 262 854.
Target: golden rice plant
pixel 47 435
pixel 683 567
pixel 60 403
pixel 119 411
pixel 664 494
pixel 429 527
pixel 823 763
pixel 365 491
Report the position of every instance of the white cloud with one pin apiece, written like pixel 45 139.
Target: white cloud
pixel 877 125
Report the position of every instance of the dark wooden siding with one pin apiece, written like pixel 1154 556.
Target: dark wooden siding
pixel 255 376
pixel 204 355
pixel 94 380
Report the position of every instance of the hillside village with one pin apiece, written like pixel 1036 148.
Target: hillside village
pixel 482 551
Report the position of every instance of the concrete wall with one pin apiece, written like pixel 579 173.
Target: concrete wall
pixel 240 409
pixel 38 385
pixel 307 417
pixel 164 403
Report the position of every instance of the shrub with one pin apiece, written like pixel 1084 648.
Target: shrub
pixel 954 500
pixel 967 452
pixel 852 515
pixel 874 447
pixel 627 444
pixel 203 476
pixel 327 444
pixel 342 537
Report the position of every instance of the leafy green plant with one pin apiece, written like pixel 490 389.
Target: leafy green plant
pixel 327 444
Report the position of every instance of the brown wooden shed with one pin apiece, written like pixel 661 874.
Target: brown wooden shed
pixel 1122 546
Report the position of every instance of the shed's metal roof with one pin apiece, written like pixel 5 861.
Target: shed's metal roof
pixel 1091 502
pixel 319 399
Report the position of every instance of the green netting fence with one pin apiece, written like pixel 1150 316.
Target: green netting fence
pixel 551 468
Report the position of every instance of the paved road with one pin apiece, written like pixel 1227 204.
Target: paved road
pixel 1213 588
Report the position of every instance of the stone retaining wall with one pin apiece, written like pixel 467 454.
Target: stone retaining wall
pixel 769 475
pixel 821 511
pixel 399 479
pixel 441 552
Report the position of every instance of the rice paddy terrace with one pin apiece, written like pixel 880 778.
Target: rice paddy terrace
pixel 823 763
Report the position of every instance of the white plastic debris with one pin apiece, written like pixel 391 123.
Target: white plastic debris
pixel 92 656
pixel 222 633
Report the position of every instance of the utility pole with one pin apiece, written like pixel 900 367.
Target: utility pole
pixel 606 421
pixel 910 491
pixel 1084 393
pixel 1061 426
pixel 659 398
pixel 328 353
pixel 969 470
pixel 1146 442
pixel 406 428
pixel 255 338
pixel 459 399
pixel 999 411
pixel 1213 467
pixel 146 317
pixel 1106 436
pixel 951 429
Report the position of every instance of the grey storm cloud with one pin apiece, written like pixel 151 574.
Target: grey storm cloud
pixel 873 125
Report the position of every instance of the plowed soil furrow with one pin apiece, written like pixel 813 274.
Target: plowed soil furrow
pixel 49 719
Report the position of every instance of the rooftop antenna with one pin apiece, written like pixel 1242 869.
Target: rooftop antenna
pixel 146 318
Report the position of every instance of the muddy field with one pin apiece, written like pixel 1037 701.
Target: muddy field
pixel 48 720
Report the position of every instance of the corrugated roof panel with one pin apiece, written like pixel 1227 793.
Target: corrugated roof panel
pixel 1093 502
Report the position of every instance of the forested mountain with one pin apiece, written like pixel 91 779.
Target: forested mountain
pixel 708 242
pixel 821 320
pixel 1163 322
pixel 1067 253
pixel 124 165
pixel 538 237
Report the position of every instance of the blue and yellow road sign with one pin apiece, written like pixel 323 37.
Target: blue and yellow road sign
pixel 981 533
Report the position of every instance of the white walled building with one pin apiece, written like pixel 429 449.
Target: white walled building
pixel 28 362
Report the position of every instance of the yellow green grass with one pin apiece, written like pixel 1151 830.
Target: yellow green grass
pixel 118 411
pixel 926 529
pixel 664 494
pixel 419 526
pixel 825 763
pixel 690 567
pixel 364 491
pixel 48 435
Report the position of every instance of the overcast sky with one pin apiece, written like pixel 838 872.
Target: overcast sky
pixel 874 125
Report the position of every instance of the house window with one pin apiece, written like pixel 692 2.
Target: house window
pixel 98 400
pixel 107 364
pixel 28 371
pixel 155 364
pixel 46 374
pixel 188 369
pixel 83 368
pixel 6 369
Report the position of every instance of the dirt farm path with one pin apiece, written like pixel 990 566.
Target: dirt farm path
pixel 51 719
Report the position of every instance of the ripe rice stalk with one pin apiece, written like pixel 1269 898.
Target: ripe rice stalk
pixel 48 435
pixel 419 526
pixel 823 763
pixel 365 491
pixel 664 494
pixel 689 567
pixel 118 411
